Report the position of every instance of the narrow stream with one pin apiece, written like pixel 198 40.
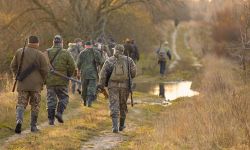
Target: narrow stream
pixel 168 90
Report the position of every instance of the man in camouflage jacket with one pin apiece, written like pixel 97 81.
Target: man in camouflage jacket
pixel 57 87
pixel 88 61
pixel 118 90
pixel 75 49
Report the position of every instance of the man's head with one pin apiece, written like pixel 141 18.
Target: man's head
pixel 88 44
pixel 132 41
pixel 78 41
pixel 119 50
pixel 58 40
pixel 127 40
pixel 33 40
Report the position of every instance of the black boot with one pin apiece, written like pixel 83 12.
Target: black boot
pixel 122 124
pixel 60 110
pixel 84 102
pixel 19 119
pixel 33 122
pixel 51 116
pixel 115 125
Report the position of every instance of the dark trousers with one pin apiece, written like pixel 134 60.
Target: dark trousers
pixel 162 67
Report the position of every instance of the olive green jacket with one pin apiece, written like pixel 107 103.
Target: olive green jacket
pixel 63 63
pixel 88 61
pixel 35 80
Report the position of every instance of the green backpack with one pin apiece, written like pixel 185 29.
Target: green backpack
pixel 120 70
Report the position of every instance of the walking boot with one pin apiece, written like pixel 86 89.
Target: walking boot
pixel 19 119
pixel 122 124
pixel 33 127
pixel 115 125
pixel 60 110
pixel 51 116
pixel 84 102
pixel 90 99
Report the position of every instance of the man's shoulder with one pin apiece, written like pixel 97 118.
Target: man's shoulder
pixel 112 58
pixel 84 51
pixel 19 50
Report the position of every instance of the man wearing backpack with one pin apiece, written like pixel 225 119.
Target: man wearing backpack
pixel 57 87
pixel 115 75
pixel 88 61
pixel 163 52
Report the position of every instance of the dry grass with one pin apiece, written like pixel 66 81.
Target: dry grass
pixel 217 119
pixel 72 134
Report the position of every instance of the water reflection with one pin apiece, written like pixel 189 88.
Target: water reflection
pixel 162 90
pixel 169 90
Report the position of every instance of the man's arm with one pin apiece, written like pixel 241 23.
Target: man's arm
pixel 137 53
pixel 71 65
pixel 44 66
pixel 103 74
pixel 14 64
pixel 99 58
pixel 132 68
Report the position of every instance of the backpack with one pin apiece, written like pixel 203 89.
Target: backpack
pixel 162 54
pixel 120 70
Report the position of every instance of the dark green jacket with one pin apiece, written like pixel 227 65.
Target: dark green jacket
pixel 63 63
pixel 87 62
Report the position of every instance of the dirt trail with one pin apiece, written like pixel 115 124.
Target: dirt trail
pixel 174 51
pixel 108 140
pixel 103 142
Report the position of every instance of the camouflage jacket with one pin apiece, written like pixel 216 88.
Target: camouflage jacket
pixel 35 81
pixel 75 50
pixel 88 61
pixel 107 71
pixel 63 63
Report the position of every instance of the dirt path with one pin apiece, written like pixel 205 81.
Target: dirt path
pixel 174 51
pixel 103 142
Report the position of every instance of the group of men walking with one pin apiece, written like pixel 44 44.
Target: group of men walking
pixel 56 66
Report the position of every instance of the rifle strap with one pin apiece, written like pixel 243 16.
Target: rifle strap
pixel 53 59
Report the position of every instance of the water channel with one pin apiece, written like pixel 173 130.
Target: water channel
pixel 168 90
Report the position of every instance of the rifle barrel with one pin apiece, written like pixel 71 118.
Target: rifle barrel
pixel 64 76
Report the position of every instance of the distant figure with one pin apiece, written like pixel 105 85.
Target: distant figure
pixel 135 54
pixel 115 75
pixel 87 64
pixel 75 49
pixel 176 22
pixel 57 87
pixel 163 52
pixel 30 86
pixel 131 50
pixel 111 45
pixel 103 49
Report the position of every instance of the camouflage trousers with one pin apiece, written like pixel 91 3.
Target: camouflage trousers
pixel 57 94
pixel 29 97
pixel 118 102
pixel 88 88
